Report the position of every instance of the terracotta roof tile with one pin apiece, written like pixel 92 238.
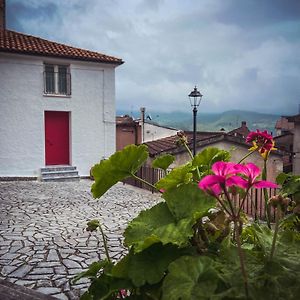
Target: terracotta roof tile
pixel 15 42
pixel 169 145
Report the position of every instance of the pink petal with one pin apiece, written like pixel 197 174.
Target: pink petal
pixel 216 189
pixel 254 171
pixel 264 184
pixel 241 169
pixel 238 181
pixel 208 181
pixel 222 168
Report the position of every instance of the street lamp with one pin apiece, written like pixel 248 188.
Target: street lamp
pixel 195 99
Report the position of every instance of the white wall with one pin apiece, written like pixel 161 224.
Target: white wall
pixel 22 106
pixel 154 132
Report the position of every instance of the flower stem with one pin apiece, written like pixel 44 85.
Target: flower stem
pixel 223 206
pixel 192 157
pixel 144 181
pixel 229 202
pixel 241 254
pixel 242 203
pixel 188 150
pixel 277 217
pixel 104 243
pixel 266 196
pixel 243 158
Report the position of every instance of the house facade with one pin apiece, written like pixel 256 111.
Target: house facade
pixel 137 131
pixel 288 140
pixel 128 131
pixel 57 105
pixel 296 143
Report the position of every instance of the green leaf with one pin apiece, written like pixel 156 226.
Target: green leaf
pixel 205 159
pixel 280 179
pixel 107 287
pixel 92 271
pixel 190 278
pixel 119 166
pixel 148 266
pixel 157 225
pixel 92 225
pixel 188 201
pixel 178 176
pixel 163 161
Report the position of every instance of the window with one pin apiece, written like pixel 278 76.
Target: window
pixel 57 80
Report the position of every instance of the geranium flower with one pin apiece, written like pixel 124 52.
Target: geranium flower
pixel 262 141
pixel 224 177
pixel 251 171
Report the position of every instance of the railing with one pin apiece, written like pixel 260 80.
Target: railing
pixel 57 83
pixel 149 174
pixel 254 205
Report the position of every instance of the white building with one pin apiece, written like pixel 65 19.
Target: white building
pixel 154 131
pixel 57 105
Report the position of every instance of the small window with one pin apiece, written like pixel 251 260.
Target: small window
pixel 57 80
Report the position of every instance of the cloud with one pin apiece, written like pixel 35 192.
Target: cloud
pixel 241 54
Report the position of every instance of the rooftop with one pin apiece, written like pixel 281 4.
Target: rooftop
pixel 125 120
pixel 15 42
pixel 284 124
pixel 169 144
pixel 242 131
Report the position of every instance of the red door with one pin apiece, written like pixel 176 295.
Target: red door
pixel 57 138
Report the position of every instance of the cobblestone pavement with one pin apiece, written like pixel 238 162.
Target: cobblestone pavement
pixel 43 241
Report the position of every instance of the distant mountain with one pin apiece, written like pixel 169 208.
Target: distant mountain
pixel 228 120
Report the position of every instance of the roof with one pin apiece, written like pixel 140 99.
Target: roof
pixel 125 120
pixel 169 144
pixel 295 118
pixel 15 42
pixel 284 124
pixel 242 131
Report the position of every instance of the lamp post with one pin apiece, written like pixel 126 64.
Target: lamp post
pixel 195 99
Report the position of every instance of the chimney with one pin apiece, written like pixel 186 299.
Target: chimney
pixel 2 15
pixel 244 124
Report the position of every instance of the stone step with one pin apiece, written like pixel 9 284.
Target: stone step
pixel 59 173
pixel 58 168
pixel 61 178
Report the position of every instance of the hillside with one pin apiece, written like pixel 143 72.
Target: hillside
pixel 213 122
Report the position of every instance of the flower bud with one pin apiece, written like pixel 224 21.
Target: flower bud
pixel 182 138
pixel 273 201
pixel 297 210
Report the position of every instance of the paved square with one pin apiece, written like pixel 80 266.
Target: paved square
pixel 43 241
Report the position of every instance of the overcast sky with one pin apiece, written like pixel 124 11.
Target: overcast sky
pixel 241 54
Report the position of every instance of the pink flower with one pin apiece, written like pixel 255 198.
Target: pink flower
pixel 262 141
pixel 251 171
pixel 224 177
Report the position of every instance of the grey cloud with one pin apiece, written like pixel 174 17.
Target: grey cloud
pixel 19 12
pixel 241 54
pixel 257 13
